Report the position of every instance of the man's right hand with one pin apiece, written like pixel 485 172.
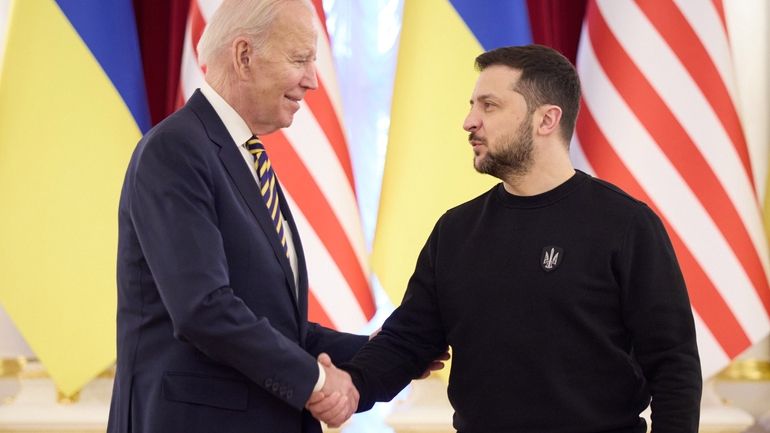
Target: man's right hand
pixel 337 400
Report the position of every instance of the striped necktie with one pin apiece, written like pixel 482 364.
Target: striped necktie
pixel 267 187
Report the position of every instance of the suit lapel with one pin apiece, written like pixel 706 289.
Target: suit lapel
pixel 302 292
pixel 233 162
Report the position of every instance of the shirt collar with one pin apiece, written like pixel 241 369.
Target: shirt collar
pixel 234 123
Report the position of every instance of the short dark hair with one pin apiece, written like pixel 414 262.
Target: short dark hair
pixel 547 77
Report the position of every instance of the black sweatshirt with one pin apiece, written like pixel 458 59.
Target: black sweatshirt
pixel 566 312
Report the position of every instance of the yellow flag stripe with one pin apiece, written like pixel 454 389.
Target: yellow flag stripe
pixel 58 226
pixel 429 161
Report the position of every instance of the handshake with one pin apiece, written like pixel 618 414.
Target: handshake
pixel 337 401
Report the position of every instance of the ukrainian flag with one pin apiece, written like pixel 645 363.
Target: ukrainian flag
pixel 429 163
pixel 72 107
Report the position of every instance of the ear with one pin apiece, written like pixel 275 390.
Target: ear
pixel 550 120
pixel 242 52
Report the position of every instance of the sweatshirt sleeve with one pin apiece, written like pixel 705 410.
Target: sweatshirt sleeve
pixel 409 340
pixel 657 312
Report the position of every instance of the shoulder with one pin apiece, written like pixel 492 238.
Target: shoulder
pixel 636 219
pixel 612 199
pixel 612 193
pixel 472 207
pixel 182 131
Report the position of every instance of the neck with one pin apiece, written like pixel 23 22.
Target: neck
pixel 227 87
pixel 549 170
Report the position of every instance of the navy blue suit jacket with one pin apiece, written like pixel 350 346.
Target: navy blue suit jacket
pixel 211 337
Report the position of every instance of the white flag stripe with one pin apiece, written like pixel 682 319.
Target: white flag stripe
pixel 325 67
pixel 191 74
pixel 577 155
pixel 692 110
pixel 665 186
pixel 207 8
pixel 326 170
pixel 707 24
pixel 713 358
pixel 326 281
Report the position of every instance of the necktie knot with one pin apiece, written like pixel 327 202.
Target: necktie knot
pixel 255 146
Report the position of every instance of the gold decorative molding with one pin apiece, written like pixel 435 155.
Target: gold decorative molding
pixel 750 370
pixel 108 373
pixel 42 373
pixel 12 367
pixel 66 399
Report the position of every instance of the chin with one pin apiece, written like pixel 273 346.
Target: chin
pixel 287 121
pixel 477 162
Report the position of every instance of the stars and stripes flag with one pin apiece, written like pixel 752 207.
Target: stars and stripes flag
pixel 312 162
pixel 659 119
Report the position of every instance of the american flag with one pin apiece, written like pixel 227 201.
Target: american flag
pixel 312 162
pixel 659 120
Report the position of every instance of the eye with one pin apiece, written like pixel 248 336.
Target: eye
pixel 487 105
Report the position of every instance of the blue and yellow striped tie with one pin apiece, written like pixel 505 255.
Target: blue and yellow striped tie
pixel 266 177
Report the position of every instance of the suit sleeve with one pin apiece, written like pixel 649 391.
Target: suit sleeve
pixel 340 346
pixel 172 206
pixel 657 311
pixel 410 338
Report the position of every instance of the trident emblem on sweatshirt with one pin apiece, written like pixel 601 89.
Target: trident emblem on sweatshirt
pixel 552 258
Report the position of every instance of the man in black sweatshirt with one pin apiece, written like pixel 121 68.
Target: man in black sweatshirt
pixel 560 294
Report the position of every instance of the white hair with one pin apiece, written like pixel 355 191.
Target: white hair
pixel 234 18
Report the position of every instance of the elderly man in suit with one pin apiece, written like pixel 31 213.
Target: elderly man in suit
pixel 212 286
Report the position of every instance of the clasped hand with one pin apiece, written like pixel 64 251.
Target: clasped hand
pixel 337 400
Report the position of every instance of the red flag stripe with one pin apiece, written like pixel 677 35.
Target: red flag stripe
pixel 319 10
pixel 650 167
pixel 669 21
pixel 323 165
pixel 676 87
pixel 324 112
pixel 295 177
pixel 316 313
pixel 660 122
pixel 328 284
pixel 196 25
pixel 721 10
pixel 704 297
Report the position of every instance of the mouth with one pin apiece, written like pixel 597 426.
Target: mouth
pixel 293 99
pixel 476 141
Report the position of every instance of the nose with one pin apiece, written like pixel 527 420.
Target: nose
pixel 472 121
pixel 310 78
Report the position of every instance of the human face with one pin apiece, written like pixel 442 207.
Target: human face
pixel 282 71
pixel 500 124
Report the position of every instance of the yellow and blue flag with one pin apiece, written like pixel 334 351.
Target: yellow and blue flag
pixel 429 163
pixel 72 107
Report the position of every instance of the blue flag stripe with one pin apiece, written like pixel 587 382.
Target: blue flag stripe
pixel 109 30
pixel 496 23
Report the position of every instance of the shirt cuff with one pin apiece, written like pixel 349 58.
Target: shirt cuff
pixel 321 378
